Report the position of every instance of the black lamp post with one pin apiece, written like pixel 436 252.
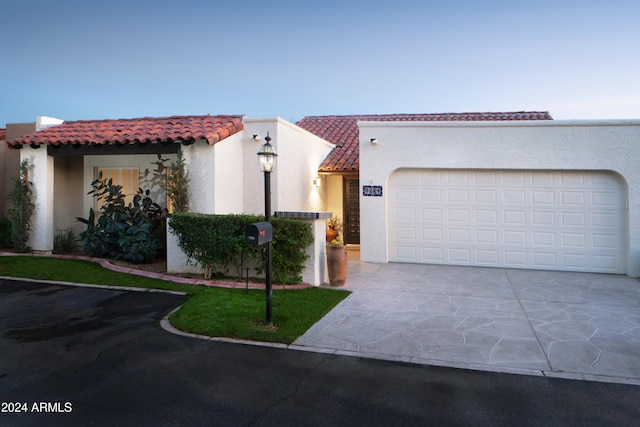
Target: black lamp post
pixel 267 158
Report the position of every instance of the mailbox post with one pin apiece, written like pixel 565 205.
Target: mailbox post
pixel 267 159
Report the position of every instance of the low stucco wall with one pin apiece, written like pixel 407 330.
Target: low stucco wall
pixel 535 145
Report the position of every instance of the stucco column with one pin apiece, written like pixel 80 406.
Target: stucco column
pixel 315 269
pixel 42 232
pixel 199 161
pixel 633 259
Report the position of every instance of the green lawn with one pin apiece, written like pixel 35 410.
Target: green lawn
pixel 209 311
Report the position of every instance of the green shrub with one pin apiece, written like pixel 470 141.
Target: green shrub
pixel 216 242
pixel 119 231
pixel 65 240
pixel 22 207
pixel 290 239
pixel 178 185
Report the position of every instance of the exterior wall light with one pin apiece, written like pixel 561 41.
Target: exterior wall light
pixel 374 140
pixel 317 181
pixel 256 137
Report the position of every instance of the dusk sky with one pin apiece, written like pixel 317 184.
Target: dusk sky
pixel 77 60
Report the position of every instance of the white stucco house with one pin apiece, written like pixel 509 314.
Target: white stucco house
pixel 220 154
pixel 514 190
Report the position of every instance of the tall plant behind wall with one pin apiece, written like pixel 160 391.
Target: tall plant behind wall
pixel 178 185
pixel 22 207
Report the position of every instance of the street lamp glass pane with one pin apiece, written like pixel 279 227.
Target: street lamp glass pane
pixel 267 158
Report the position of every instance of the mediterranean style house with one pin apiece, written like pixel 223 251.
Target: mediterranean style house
pixel 512 189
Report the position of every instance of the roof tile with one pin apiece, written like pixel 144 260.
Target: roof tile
pixel 344 133
pixel 186 129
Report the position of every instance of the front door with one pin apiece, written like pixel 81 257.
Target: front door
pixel 351 229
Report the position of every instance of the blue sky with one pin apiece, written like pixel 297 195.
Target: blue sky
pixel 77 60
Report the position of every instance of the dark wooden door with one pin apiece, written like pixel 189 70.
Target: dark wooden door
pixel 352 211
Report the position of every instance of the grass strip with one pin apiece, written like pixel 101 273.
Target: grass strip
pixel 216 312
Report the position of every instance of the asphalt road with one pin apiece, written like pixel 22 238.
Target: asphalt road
pixel 99 357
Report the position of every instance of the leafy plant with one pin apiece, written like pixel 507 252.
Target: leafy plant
pixel 136 243
pixel 120 231
pixel 153 212
pixel 336 242
pixel 65 240
pixel 155 180
pixel 334 223
pixel 290 239
pixel 22 207
pixel 178 185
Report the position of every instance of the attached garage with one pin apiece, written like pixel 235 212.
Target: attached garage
pixel 548 195
pixel 558 220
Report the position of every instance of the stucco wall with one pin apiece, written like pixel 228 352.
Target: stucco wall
pixel 549 145
pixel 228 175
pixel 68 193
pixel 299 156
pixel 335 196
pixel 41 238
pixel 215 175
pixel 253 179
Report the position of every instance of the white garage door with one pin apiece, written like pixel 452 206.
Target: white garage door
pixel 552 220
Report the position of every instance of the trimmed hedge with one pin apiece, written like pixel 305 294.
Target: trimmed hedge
pixel 216 242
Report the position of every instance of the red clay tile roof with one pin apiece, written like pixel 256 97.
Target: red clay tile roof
pixel 184 129
pixel 3 134
pixel 343 131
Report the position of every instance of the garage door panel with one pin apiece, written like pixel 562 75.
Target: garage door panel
pixel 572 198
pixel 565 220
pixel 486 216
pixel 511 217
pixel 488 257
pixel 604 199
pixel 543 238
pixel 515 259
pixel 513 197
pixel 432 235
pixel 458 196
pixel 431 195
pixel 544 198
pixel 431 214
pixel 487 237
pixel 405 195
pixel 516 178
pixel 605 262
pixel 458 215
pixel 433 255
pixel 489 197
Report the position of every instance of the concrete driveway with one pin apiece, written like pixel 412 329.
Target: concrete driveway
pixel 560 324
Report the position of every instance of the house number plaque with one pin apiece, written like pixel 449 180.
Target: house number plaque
pixel 372 190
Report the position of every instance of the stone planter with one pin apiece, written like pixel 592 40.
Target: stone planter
pixel 337 265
